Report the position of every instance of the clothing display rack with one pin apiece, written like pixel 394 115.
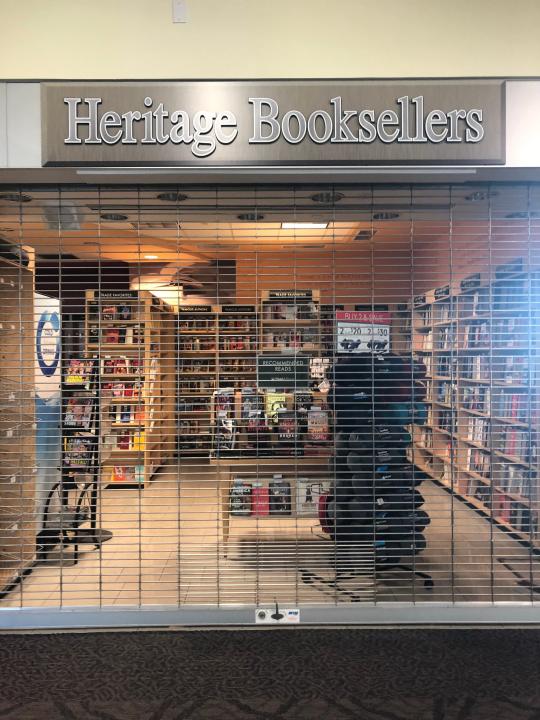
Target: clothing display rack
pixel 376 503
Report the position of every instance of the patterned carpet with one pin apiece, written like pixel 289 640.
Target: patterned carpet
pixel 304 674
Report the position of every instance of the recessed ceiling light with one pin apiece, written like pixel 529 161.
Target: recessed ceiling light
pixel 480 195
pixel 254 216
pixel 172 197
pixel 16 197
pixel 327 197
pixel 385 215
pixel 303 226
pixel 113 217
pixel 151 257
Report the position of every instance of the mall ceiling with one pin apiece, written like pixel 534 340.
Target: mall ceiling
pixel 195 224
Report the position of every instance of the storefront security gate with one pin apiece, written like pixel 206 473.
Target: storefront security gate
pixel 270 404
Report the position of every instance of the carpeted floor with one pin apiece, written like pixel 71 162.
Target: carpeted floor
pixel 340 674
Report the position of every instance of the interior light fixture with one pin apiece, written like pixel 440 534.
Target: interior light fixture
pixel 327 197
pixel 254 216
pixel 385 215
pixel 113 217
pixel 172 197
pixel 16 197
pixel 303 226
pixel 151 257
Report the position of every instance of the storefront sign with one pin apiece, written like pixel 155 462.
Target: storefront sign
pixel 274 123
pixel 360 332
pixel 280 371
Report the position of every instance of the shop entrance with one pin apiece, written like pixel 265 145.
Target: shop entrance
pixel 220 397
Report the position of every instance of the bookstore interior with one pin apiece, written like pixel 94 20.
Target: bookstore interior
pixel 276 394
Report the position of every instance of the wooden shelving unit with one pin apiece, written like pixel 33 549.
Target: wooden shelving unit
pixel 131 333
pixel 290 321
pixel 17 422
pixel 197 377
pixel 479 341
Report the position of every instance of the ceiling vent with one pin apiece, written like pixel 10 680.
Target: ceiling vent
pixel 327 197
pixel 66 216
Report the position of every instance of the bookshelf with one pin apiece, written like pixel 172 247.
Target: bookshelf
pixel 479 343
pixel 197 376
pixel 290 321
pixel 131 334
pixel 17 422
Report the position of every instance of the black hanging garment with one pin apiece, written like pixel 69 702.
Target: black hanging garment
pixel 375 501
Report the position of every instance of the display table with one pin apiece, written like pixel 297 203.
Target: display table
pixel 261 467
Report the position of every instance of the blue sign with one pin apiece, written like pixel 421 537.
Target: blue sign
pixel 48 342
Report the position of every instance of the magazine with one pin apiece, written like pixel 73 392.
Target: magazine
pixel 79 413
pixel 79 372
pixel 78 451
pixel 317 425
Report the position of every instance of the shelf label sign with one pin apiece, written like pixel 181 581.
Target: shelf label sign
pixel 360 332
pixel 290 295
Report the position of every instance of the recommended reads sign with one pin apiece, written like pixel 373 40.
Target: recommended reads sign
pixel 348 122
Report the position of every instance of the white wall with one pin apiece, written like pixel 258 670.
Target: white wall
pixel 128 39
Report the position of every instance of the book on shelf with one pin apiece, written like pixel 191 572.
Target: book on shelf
pixel 120 390
pixel 317 425
pixel 122 365
pixel 295 338
pixel 274 402
pixel 478 462
pixel 237 342
pixel 79 413
pixel 287 428
pixel 130 474
pixel 425 438
pixel 224 432
pixel 518 443
pixel 478 430
pixel 78 451
pixel 290 311
pixel 443 312
pixel 515 370
pixel 477 335
pixel 308 494
pixel 477 398
pixel 475 367
pixel 446 393
pixel 127 414
pixel 514 479
pixel 512 406
pixel 512 332
pixel 80 372
pixel 280 496
pixel 446 338
pixel 240 497
pixel 425 316
pixel 260 499
pixel 447 365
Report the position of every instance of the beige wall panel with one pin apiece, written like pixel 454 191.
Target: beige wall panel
pixel 129 39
